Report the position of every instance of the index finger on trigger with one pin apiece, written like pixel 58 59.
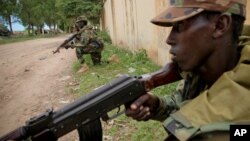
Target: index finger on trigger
pixel 138 102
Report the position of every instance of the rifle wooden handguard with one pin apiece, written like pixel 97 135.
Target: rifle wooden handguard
pixel 168 74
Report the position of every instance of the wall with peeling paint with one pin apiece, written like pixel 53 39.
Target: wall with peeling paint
pixel 248 13
pixel 128 23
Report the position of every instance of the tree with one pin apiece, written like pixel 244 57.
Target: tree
pixel 8 8
pixel 51 15
pixel 37 13
pixel 91 9
pixel 32 14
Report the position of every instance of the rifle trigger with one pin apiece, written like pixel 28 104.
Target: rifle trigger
pixel 117 114
pixel 105 117
pixel 119 108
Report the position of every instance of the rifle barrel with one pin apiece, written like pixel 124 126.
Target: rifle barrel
pixel 18 134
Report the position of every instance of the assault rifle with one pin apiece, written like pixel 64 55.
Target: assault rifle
pixel 84 114
pixel 63 45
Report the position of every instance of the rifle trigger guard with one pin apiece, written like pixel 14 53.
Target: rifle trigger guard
pixel 117 114
pixel 119 109
pixel 105 117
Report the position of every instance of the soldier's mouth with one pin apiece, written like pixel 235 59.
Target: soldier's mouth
pixel 173 56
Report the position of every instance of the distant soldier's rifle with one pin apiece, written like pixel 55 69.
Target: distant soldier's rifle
pixel 64 44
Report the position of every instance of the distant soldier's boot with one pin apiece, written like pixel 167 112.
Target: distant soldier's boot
pixel 79 55
pixel 81 60
pixel 96 58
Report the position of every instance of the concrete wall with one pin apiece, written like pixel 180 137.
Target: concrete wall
pixel 248 13
pixel 128 23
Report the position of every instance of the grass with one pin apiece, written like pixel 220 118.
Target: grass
pixel 122 128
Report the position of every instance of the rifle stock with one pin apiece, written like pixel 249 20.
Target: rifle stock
pixel 51 125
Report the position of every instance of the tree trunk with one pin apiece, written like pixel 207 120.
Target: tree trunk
pixel 55 32
pixel 32 28
pixel 10 24
pixel 29 29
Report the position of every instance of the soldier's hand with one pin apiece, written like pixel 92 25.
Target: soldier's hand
pixel 56 51
pixel 68 46
pixel 143 108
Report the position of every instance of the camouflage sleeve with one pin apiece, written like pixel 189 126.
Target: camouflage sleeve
pixel 84 38
pixel 76 43
pixel 169 103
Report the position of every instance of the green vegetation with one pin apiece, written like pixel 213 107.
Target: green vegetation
pixel 104 36
pixel 90 8
pixel 122 128
pixel 34 14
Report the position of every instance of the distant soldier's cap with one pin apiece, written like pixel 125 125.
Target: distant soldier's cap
pixel 183 9
pixel 81 18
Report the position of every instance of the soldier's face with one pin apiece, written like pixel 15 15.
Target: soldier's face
pixel 191 42
pixel 80 24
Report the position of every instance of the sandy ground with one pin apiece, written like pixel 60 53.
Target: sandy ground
pixel 33 79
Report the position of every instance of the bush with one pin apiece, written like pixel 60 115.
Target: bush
pixel 104 36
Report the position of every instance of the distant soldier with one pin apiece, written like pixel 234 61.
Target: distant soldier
pixel 87 42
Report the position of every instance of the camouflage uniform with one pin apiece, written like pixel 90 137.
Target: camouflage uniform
pixel 87 42
pixel 196 112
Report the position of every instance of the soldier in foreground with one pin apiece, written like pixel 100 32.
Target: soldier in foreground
pixel 215 66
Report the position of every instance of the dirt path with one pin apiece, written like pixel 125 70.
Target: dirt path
pixel 32 80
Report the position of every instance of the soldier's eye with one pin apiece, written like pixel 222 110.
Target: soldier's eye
pixel 179 27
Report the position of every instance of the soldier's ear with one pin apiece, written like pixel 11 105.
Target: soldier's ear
pixel 222 25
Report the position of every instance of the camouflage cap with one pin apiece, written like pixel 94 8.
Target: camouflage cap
pixel 81 18
pixel 184 9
